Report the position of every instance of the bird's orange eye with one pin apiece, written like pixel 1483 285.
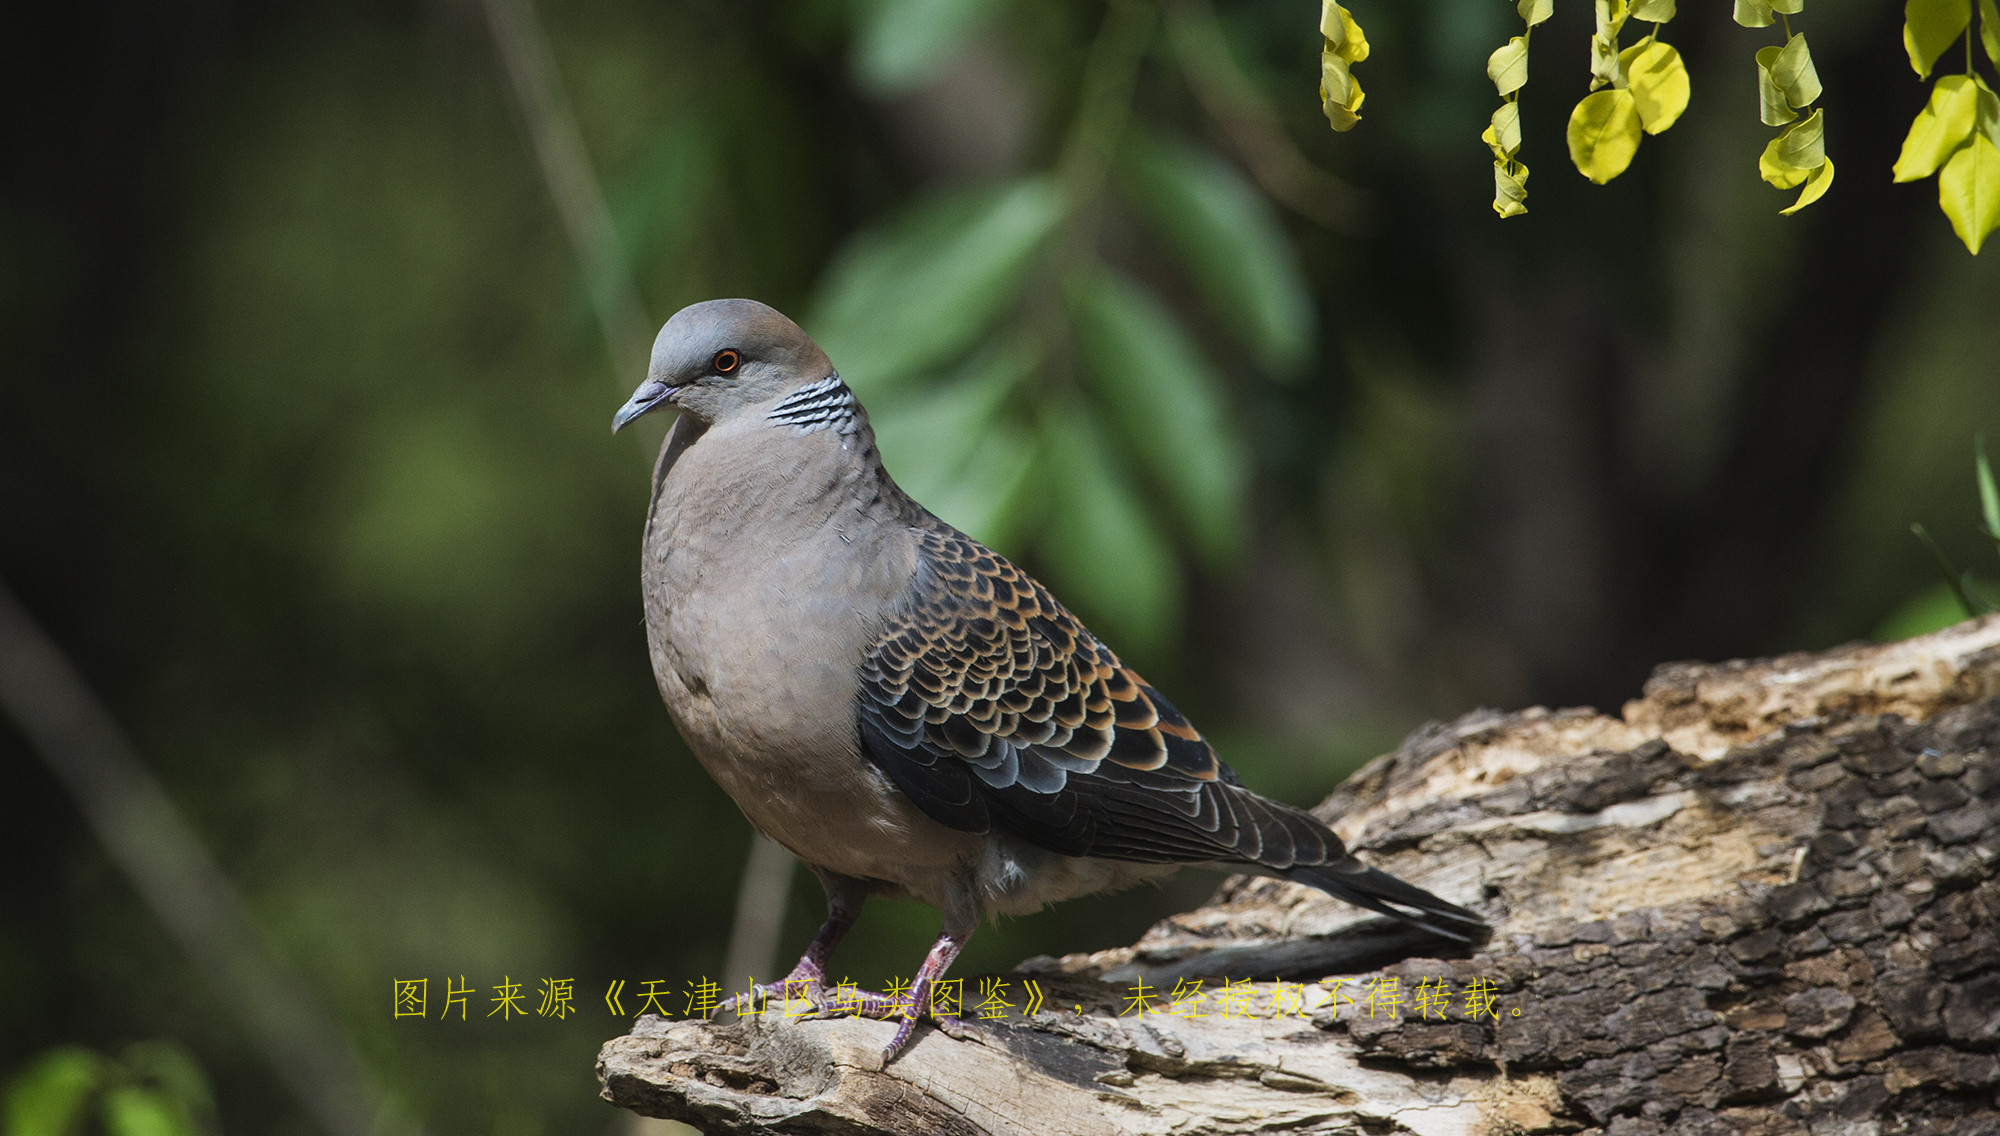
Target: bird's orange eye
pixel 726 361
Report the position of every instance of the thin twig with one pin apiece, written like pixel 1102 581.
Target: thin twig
pixel 146 837
pixel 573 186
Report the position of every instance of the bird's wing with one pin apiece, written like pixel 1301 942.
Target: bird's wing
pixel 992 706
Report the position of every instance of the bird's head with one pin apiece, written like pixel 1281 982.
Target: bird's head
pixel 720 356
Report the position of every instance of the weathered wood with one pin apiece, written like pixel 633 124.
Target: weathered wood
pixel 1765 899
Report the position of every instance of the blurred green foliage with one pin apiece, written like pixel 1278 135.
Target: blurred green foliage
pixel 304 451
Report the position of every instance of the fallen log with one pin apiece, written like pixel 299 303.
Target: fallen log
pixel 1765 900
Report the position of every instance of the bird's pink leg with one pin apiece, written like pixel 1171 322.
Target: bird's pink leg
pixel 811 968
pixel 935 964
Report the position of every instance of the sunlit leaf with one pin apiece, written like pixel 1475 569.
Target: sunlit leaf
pixel 1793 71
pixel 1604 67
pixel 1989 111
pixel 916 291
pixel 1504 132
pixel 1344 36
pixel 1166 403
pixel 1754 13
pixel 1797 151
pixel 1788 7
pixel 1535 11
pixel 1772 105
pixel 1817 183
pixel 1105 554
pixel 1945 122
pixel 48 1098
pixel 1969 191
pixel 1931 26
pixel 901 43
pixel 1223 229
pixel 1653 11
pixel 1989 30
pixel 1340 93
pixel 1510 188
pixel 1508 66
pixel 1603 134
pixel 1658 81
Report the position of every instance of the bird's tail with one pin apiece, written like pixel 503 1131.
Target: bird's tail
pixel 1378 891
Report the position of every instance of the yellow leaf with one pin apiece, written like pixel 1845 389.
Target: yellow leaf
pixel 1930 26
pixel 1510 189
pixel 1772 106
pixel 1754 13
pixel 1504 135
pixel 1793 71
pixel 1656 11
pixel 1795 153
pixel 1788 7
pixel 1816 185
pixel 1508 66
pixel 1604 133
pixel 1945 122
pixel 1535 11
pixel 1969 191
pixel 1803 144
pixel 1658 81
pixel 1343 35
pixel 1339 92
pixel 1989 30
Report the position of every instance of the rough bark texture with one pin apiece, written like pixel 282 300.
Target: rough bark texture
pixel 1766 899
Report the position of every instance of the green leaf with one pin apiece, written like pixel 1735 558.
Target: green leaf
pixel 1797 151
pixel 1817 183
pixel 916 291
pixel 1989 111
pixel 1508 66
pixel 1754 13
pixel 1510 188
pixel 1952 578
pixel 1503 135
pixel 1933 609
pixel 901 43
pixel 1989 30
pixel 1603 134
pixel 1658 81
pixel 1940 128
pixel 1340 94
pixel 1223 229
pixel 1772 106
pixel 1793 72
pixel 1931 26
pixel 1788 7
pixel 1989 496
pixel 1653 11
pixel 1969 191
pixel 133 1111
pixel 1535 11
pixel 1105 554
pixel 947 447
pixel 1166 404
pixel 50 1096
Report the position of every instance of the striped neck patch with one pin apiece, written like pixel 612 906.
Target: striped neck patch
pixel 826 404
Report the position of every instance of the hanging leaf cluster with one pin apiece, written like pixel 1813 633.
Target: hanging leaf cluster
pixel 1508 68
pixel 1957 134
pixel 1787 85
pixel 1636 91
pixel 1339 92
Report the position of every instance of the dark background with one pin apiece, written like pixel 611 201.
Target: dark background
pixel 304 455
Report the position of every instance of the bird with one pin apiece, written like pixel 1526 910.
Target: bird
pixel 904 709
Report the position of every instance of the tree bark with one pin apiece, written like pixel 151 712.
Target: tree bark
pixel 1763 900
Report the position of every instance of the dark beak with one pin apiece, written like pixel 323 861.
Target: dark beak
pixel 651 395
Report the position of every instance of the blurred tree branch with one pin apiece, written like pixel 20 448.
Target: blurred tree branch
pixel 145 835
